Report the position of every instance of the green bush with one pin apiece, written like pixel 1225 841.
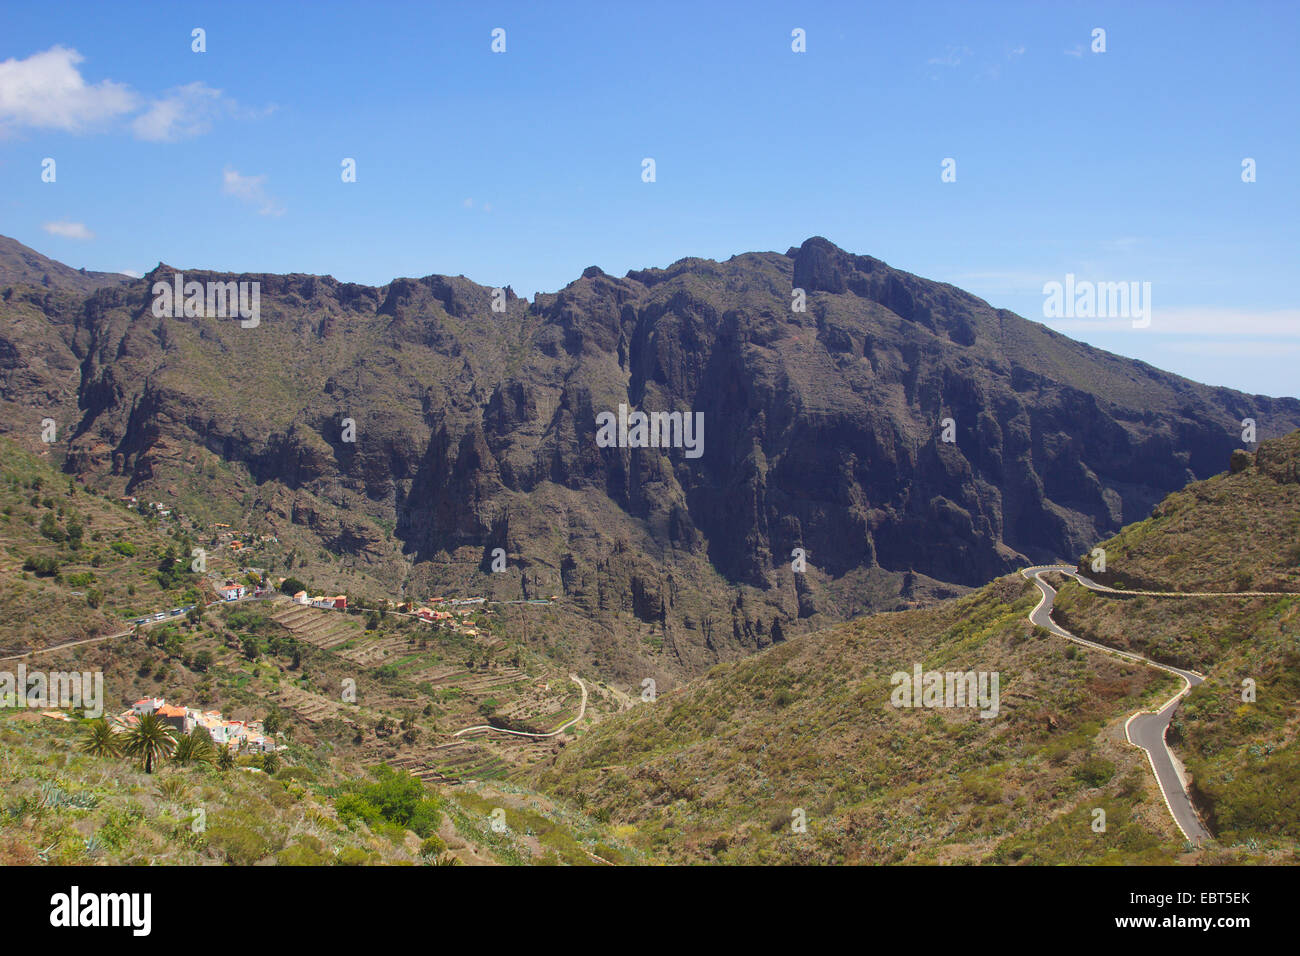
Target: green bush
pixel 352 856
pixel 43 567
pixel 299 855
pixel 50 528
pixel 239 844
pixel 395 798
pixel 299 774
pixel 1094 772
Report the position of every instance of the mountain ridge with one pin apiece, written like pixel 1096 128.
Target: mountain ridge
pixel 20 263
pixel 477 431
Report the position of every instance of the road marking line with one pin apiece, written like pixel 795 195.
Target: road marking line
pixel 1033 574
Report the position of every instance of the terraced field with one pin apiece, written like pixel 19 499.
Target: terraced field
pixel 454 762
pixel 312 708
pixel 323 629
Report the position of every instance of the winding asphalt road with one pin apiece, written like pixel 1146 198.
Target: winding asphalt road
pixel 127 633
pixel 582 710
pixel 1145 729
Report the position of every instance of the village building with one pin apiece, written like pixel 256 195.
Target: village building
pixel 174 717
pixel 237 735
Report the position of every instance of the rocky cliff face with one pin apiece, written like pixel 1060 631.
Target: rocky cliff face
pixel 822 431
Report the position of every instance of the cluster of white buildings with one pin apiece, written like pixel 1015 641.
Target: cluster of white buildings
pixel 337 603
pixel 452 620
pixel 245 735
pixel 161 509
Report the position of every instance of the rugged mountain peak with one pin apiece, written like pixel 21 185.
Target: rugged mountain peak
pixel 822 431
pixel 821 266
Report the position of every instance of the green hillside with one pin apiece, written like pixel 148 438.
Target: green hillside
pixel 75 564
pixel 64 807
pixel 715 770
pixel 1243 755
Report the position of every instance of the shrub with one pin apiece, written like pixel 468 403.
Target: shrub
pixel 43 567
pixel 1094 772
pixel 352 807
pixel 394 798
pixel 50 528
pixel 299 855
pixel 352 856
pixel 300 774
pixel 239 844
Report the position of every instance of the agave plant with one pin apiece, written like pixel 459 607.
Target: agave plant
pixel 93 844
pixel 173 789
pixel 55 798
pixel 149 741
pixel 99 740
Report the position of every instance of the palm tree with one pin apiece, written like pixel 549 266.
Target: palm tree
pixel 195 747
pixel 225 759
pixel 100 740
pixel 150 740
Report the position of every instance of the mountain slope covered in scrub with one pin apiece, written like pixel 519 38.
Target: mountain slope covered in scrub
pixel 475 430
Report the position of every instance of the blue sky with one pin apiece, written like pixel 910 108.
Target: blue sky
pixel 524 167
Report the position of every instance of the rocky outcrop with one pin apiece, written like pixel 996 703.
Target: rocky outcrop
pixel 895 427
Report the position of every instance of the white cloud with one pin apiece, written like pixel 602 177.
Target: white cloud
pixel 1077 51
pixel 1220 322
pixel 182 113
pixel 68 230
pixel 47 91
pixel 1018 51
pixel 953 57
pixel 251 189
pixel 1251 349
pixel 132 273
